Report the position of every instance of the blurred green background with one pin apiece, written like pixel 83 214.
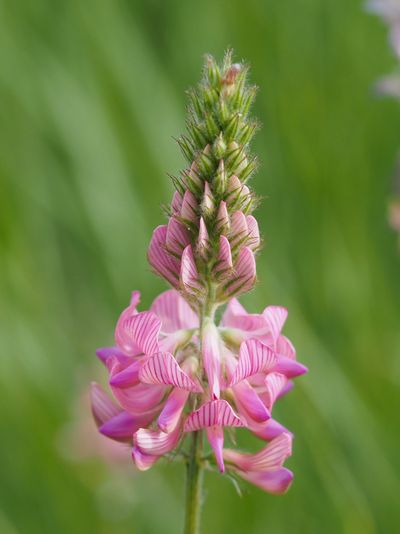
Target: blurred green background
pixel 91 94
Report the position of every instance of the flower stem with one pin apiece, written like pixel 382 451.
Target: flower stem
pixel 194 482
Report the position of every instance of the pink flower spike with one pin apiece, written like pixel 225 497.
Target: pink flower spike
pixel 270 457
pixel 172 411
pixel 212 357
pixel 276 482
pixel 254 357
pixel 138 332
pixel 189 274
pixel 245 275
pixel 224 265
pixel 162 262
pixel 177 237
pixel 162 368
pixel 189 208
pixel 214 413
pixel 143 461
pixel 215 436
pixel 174 312
pixel 103 407
pixel 156 442
pixel 127 377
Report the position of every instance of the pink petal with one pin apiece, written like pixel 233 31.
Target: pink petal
pixel 105 353
pixel 162 262
pixel 176 203
pixel 249 398
pixel 135 299
pixel 235 316
pixel 254 357
pixel 189 274
pixel 215 436
pixel 140 398
pixel 269 458
pixel 277 481
pixel 203 243
pixel 214 413
pixel 208 199
pixel 189 207
pixel 177 237
pixel 172 411
pixel 245 273
pixel 127 377
pixel 211 350
pixel 121 427
pixel 138 332
pixel 254 233
pixel 239 230
pixel 224 265
pixel 162 368
pixel 174 312
pixel 284 347
pixel 288 367
pixel 156 442
pixel 143 461
pixel 276 317
pixel 275 384
pixel 103 407
pixel 222 224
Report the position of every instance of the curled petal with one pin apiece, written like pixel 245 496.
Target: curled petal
pixel 172 411
pixel 214 413
pixel 174 312
pixel 277 481
pixel 138 332
pixel 140 398
pixel 269 458
pixel 249 398
pixel 129 376
pixel 189 274
pixel 162 368
pixel 122 426
pixel 215 436
pixel 288 367
pixel 156 442
pixel 143 461
pixel 177 237
pixel 162 262
pixel 245 274
pixel 103 407
pixel 254 357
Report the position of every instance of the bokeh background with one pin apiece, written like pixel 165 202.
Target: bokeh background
pixel 91 94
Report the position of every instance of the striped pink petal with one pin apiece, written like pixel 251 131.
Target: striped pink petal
pixel 138 332
pixel 215 436
pixel 162 262
pixel 235 316
pixel 103 407
pixel 239 230
pixel 245 274
pixel 214 413
pixel 127 377
pixel 249 398
pixel 143 461
pixel 265 430
pixel 177 237
pixel 253 232
pixel 189 275
pixel 269 458
pixel 275 384
pixel 140 398
pixel 189 209
pixel 234 189
pixel 277 481
pixel 254 357
pixel 211 352
pixel 276 317
pixel 162 368
pixel 284 347
pixel 156 442
pixel 203 243
pixel 288 367
pixel 172 411
pixel 222 225
pixel 135 299
pixel 176 203
pixel 174 312
pixel 122 426
pixel 208 200
pixel 224 265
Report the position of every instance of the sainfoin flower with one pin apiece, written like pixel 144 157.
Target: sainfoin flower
pixel 174 370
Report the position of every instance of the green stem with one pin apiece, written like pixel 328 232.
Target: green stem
pixel 194 485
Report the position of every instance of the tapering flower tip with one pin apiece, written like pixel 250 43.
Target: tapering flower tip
pixel 247 397
pixel 220 179
pixel 264 469
pixel 163 263
pixel 208 203
pixel 177 237
pixel 190 208
pixel 203 242
pixel 224 266
pixel 244 276
pixel 189 276
pixel 222 224
pixel 176 203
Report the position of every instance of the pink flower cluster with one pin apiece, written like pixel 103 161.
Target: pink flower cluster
pixel 170 378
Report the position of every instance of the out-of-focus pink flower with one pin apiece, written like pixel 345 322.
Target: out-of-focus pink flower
pixel 389 11
pixel 162 365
